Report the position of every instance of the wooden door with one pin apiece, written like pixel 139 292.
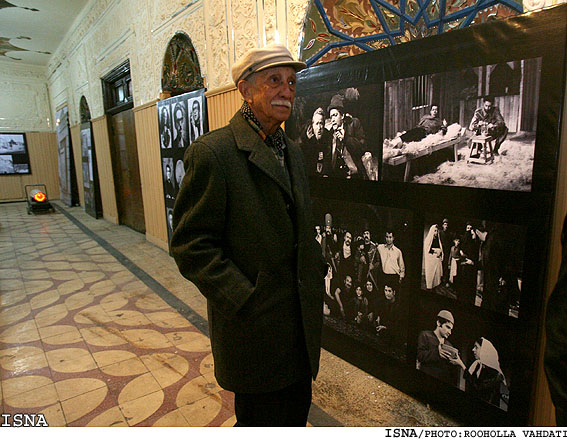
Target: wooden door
pixel 127 171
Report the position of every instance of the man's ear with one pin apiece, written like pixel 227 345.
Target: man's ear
pixel 244 87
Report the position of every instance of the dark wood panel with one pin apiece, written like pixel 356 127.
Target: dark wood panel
pixel 127 171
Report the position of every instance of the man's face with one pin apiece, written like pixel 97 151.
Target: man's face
pixel 366 236
pixel 348 282
pixel 434 111
pixel 369 286
pixel 389 293
pixel 445 226
pixel 445 329
pixel 487 106
pixel 336 118
pixel 389 238
pixel 272 94
pixel 348 238
pixel 318 125
pixel 328 230
pixel 195 111
pixel 179 120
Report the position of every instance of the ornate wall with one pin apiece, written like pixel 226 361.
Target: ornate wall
pixel 24 105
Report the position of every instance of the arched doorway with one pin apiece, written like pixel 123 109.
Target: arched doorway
pixel 181 71
pixel 93 204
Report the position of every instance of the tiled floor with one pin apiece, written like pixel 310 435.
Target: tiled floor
pixel 85 342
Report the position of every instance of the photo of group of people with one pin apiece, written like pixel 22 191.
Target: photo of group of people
pixel 474 127
pixel 476 262
pixel 465 352
pixel 14 157
pixel 365 286
pixel 337 133
pixel 182 119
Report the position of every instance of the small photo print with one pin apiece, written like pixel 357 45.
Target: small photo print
pixel 337 132
pixel 366 249
pixel 165 135
pixel 474 127
pixel 180 124
pixel 476 262
pixel 169 180
pixel 466 352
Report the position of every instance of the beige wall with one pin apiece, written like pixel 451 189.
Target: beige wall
pixel 149 158
pixel 42 150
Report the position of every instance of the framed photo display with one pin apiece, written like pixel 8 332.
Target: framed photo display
pixel 14 158
pixel 181 120
pixel 433 167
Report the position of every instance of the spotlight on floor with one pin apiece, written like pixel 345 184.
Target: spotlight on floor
pixel 36 196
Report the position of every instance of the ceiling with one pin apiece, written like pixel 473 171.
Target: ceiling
pixel 31 30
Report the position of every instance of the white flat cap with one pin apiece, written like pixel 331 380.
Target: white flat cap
pixel 446 314
pixel 263 58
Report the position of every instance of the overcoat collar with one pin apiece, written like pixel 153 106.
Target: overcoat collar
pixel 262 156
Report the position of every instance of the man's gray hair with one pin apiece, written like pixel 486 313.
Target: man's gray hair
pixel 320 112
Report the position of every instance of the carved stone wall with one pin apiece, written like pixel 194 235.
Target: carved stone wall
pixel 24 105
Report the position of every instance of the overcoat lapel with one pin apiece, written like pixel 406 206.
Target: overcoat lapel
pixel 260 154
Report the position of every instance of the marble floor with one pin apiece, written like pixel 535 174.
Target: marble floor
pixel 98 328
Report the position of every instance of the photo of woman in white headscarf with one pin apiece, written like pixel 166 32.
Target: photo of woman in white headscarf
pixel 433 258
pixel 484 377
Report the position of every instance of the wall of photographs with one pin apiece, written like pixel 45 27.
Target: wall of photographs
pixel 432 168
pixel 14 158
pixel 182 119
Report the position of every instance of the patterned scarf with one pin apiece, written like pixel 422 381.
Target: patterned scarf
pixel 275 141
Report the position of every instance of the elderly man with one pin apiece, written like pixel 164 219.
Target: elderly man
pixel 244 236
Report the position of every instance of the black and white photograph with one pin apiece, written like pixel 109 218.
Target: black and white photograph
pixel 179 172
pixel 165 127
pixel 169 180
pixel 169 215
pixel 179 118
pixel 337 133
pixel 476 262
pixel 474 127
pixel 180 127
pixel 465 351
pixel 6 164
pixel 14 157
pixel 195 119
pixel 365 247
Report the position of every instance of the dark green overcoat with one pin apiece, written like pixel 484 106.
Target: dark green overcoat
pixel 244 236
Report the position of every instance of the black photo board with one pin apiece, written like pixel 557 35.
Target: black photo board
pixel 460 128
pixel 14 158
pixel 181 120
